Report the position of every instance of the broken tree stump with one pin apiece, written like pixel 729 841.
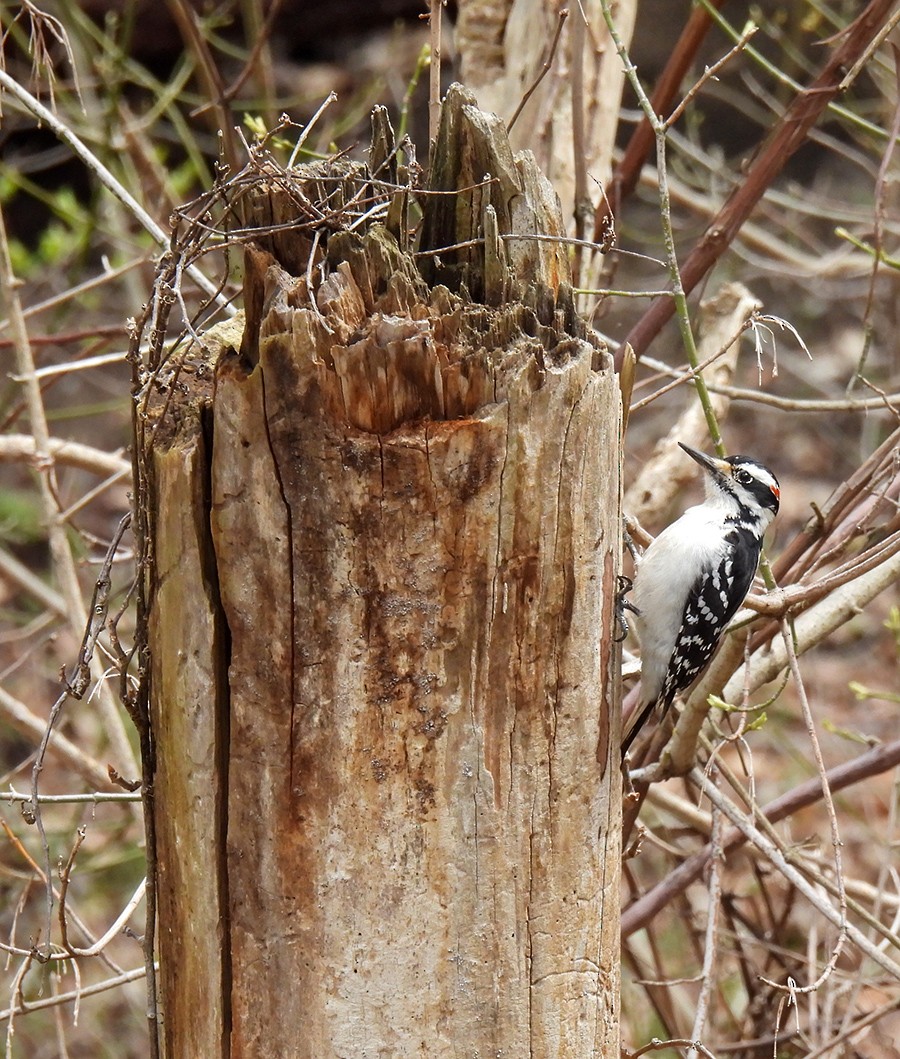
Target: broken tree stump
pixel 385 692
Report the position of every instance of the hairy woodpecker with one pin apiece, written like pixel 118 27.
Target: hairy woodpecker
pixel 691 580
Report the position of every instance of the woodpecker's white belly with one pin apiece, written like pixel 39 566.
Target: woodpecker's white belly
pixel 663 579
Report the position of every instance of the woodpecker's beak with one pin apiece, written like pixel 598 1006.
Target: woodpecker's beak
pixel 716 467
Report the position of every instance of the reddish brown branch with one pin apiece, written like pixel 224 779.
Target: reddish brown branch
pixel 800 553
pixel 786 137
pixel 625 177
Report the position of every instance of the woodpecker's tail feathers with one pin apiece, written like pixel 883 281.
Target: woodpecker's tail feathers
pixel 637 723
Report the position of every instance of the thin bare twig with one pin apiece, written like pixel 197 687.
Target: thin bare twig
pixel 710 942
pixel 545 67
pixel 22 448
pixel 106 178
pixel 711 72
pixel 75 686
pixel 881 184
pixel 831 963
pixel 434 71
pixel 627 172
pixel 65 876
pixel 678 301
pixel 118 980
pixel 93 798
pixel 19 717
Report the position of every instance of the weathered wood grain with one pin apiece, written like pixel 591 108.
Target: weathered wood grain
pixel 414 504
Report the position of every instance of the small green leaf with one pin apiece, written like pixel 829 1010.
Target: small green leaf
pixel 848 733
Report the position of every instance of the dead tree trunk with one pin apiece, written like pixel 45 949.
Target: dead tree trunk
pixel 384 686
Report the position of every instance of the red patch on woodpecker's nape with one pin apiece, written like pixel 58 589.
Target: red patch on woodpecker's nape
pixel 776 491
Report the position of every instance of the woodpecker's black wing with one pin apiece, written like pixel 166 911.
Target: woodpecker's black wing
pixel 711 604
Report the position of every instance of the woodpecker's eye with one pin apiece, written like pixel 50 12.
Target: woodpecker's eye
pixel 742 477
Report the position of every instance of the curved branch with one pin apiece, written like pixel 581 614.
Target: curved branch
pixel 18 447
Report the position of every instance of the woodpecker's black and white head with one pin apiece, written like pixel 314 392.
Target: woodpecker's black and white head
pixel 747 490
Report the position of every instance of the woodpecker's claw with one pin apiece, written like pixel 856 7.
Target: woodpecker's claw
pixel 622 605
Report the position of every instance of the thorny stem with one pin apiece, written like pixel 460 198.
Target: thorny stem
pixel 75 687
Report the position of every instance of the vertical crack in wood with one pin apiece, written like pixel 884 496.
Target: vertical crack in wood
pixel 292 611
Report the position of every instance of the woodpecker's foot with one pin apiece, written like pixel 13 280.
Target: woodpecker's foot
pixel 624 585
